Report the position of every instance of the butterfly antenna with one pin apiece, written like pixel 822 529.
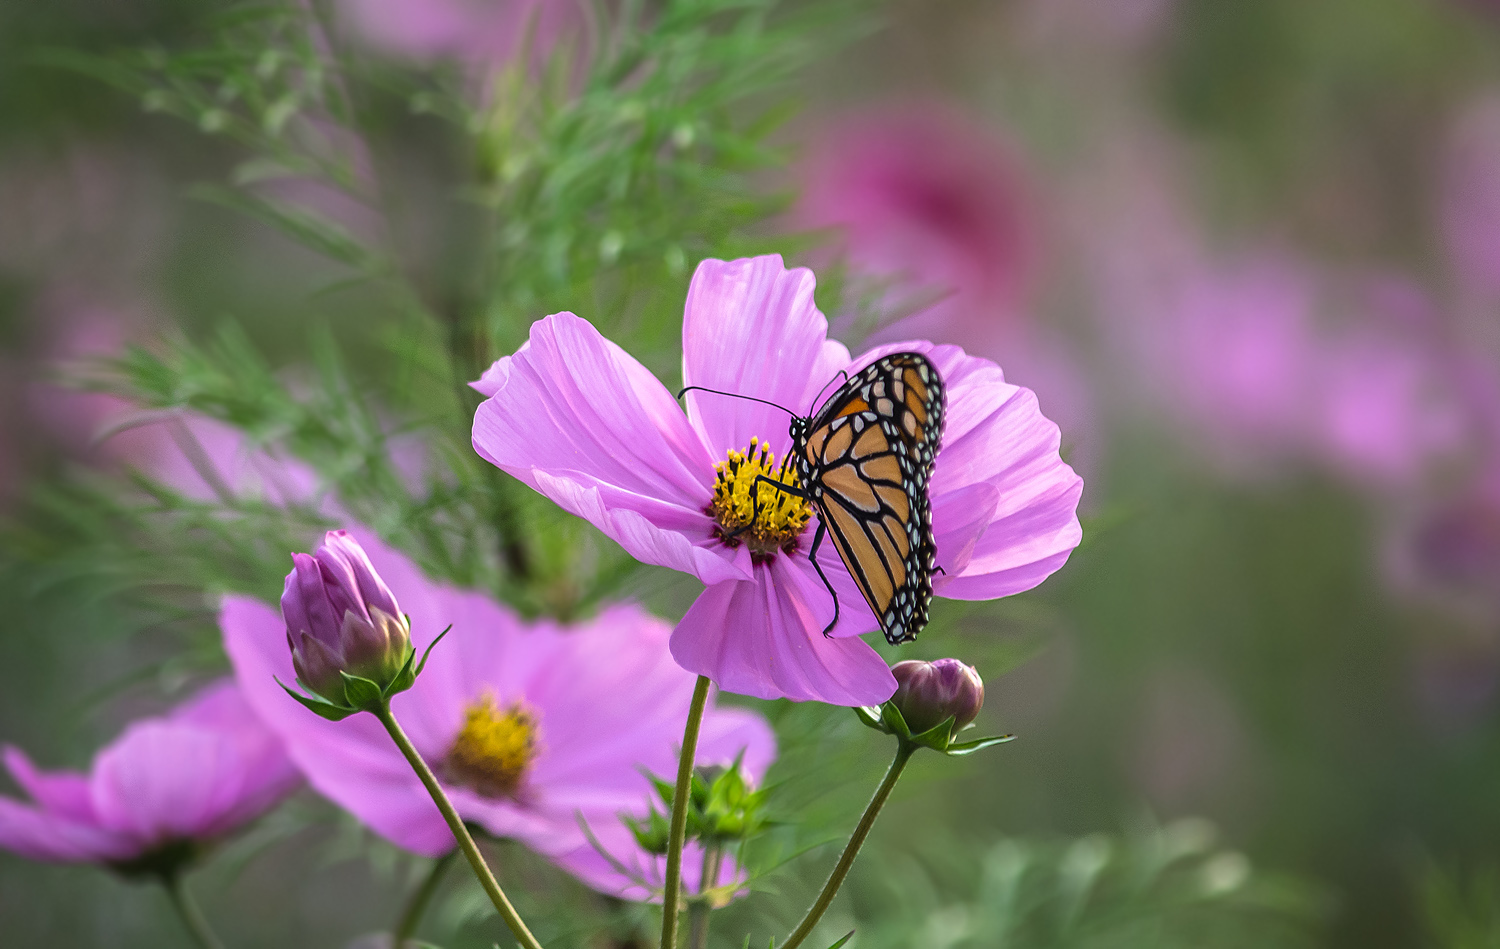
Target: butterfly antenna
pixel 819 396
pixel 734 395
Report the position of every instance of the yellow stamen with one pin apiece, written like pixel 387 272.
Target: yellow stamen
pixel 494 748
pixel 783 516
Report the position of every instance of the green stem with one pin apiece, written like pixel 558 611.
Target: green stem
pixel 851 849
pixel 417 904
pixel 697 924
pixel 699 909
pixel 679 815
pixel 192 917
pixel 460 832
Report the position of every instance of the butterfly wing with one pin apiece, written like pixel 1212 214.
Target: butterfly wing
pixel 866 459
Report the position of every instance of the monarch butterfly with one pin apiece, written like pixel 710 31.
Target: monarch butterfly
pixel 864 459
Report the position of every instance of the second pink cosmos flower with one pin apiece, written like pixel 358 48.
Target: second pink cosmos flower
pixel 578 419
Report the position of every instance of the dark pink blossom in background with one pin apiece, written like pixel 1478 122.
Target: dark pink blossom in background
pixel 579 420
pixel 934 204
pixel 193 775
pixel 606 699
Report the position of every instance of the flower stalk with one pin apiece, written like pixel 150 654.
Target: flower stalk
pixel 416 905
pixel 466 843
pixel 678 829
pixel 192 917
pixel 904 751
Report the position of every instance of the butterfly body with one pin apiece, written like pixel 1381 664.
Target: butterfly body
pixel 864 460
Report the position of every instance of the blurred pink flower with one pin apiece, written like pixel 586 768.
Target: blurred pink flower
pixel 579 420
pixel 188 777
pixel 579 710
pixel 935 203
pixel 204 459
pixel 1380 410
pixel 475 31
pixel 1263 358
pixel 1229 349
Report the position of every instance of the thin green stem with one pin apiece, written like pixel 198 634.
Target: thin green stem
pixel 699 909
pixel 851 849
pixel 192 917
pixel 679 815
pixel 697 924
pixel 460 832
pixel 416 905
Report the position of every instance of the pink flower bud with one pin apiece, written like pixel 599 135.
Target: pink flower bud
pixel 929 692
pixel 341 617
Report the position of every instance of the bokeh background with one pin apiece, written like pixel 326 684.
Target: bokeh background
pixel 1247 252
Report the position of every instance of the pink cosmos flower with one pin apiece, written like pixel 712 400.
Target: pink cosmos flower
pixel 576 418
pixel 930 200
pixel 529 726
pixel 188 777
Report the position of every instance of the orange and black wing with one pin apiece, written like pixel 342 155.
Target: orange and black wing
pixel 866 461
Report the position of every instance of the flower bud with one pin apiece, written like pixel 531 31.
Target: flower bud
pixel 927 693
pixel 341 618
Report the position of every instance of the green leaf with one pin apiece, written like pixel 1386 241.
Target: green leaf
pixel 312 230
pixel 847 936
pixel 318 706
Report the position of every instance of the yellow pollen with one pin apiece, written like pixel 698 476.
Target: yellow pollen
pixel 783 516
pixel 494 748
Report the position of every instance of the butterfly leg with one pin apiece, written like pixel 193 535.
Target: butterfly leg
pixel 812 556
pixel 812 553
pixel 755 501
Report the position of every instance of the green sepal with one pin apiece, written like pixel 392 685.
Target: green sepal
pixel 318 705
pixel 361 693
pixel 665 790
pixel 847 936
pixel 428 651
pixel 939 737
pixel 959 749
pixel 405 678
pixel 870 716
pixel 653 833
pixel 894 722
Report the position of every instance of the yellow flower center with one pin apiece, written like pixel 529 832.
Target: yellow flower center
pixel 782 516
pixel 494 748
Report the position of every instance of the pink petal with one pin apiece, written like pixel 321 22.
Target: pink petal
pixel 61 793
pixel 763 638
pixel 616 677
pixel 751 328
pixel 960 518
pixel 582 422
pixel 164 780
pixel 582 859
pixel 730 733
pixel 38 835
pixel 636 523
pixel 995 434
pixel 268 773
